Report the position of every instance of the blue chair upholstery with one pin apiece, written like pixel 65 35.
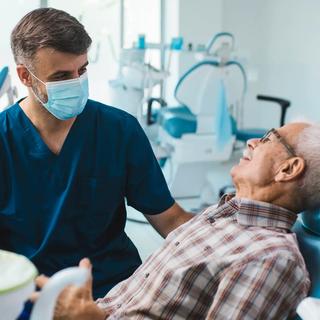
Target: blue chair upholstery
pixel 166 113
pixel 311 221
pixel 177 121
pixel 308 235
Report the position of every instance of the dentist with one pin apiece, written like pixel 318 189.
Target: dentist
pixel 68 164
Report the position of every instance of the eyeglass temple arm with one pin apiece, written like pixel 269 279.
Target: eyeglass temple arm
pixel 284 104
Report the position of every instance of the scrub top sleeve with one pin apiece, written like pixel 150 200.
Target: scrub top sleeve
pixel 146 188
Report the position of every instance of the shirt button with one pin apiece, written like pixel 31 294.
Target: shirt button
pixel 177 243
pixel 146 275
pixel 119 305
pixel 211 219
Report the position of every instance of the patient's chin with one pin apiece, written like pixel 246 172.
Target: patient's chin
pixel 238 170
pixel 233 171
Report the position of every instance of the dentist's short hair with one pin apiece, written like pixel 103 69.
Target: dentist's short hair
pixel 308 147
pixel 48 28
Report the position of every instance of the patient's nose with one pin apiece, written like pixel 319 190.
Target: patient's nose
pixel 252 143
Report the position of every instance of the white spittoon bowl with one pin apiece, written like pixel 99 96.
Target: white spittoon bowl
pixel 17 275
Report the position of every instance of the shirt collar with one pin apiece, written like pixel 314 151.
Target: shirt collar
pixel 255 213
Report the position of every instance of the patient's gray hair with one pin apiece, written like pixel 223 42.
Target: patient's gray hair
pixel 308 146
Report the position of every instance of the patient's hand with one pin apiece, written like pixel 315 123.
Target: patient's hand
pixel 75 302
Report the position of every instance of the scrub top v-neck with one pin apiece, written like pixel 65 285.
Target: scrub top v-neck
pixel 58 208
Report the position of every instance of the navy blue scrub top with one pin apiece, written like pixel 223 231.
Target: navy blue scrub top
pixel 57 209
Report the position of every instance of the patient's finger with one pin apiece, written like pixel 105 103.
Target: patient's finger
pixel 41 280
pixel 34 297
pixel 85 263
pixel 87 293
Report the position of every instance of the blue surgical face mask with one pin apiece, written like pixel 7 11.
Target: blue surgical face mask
pixel 66 98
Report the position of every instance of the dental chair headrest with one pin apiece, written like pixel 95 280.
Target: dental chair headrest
pixel 311 220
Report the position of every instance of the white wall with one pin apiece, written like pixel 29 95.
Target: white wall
pixel 280 41
pixel 197 21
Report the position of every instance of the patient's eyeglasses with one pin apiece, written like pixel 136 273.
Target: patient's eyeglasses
pixel 273 131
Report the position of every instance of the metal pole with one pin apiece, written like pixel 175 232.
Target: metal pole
pixel 43 3
pixel 162 42
pixel 122 24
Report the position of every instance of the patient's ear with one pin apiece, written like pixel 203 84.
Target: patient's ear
pixel 290 169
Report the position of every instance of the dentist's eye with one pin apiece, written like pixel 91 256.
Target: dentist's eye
pixel 82 71
pixel 60 77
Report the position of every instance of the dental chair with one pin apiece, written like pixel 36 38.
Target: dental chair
pixel 307 229
pixel 6 87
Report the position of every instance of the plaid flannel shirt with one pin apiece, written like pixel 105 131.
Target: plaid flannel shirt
pixel 235 261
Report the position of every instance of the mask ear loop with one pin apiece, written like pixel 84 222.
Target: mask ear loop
pixel 32 88
pixel 35 76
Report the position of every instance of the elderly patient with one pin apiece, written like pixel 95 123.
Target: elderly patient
pixel 237 260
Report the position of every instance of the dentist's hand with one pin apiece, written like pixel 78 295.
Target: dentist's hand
pixel 75 302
